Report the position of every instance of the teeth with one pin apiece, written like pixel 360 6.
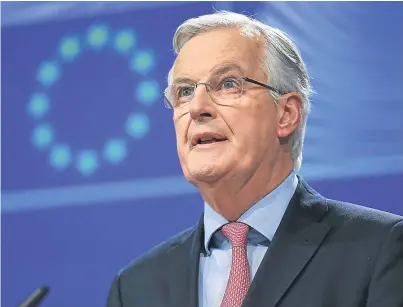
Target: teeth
pixel 206 139
pixel 209 139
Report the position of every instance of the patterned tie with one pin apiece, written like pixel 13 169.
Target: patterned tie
pixel 239 276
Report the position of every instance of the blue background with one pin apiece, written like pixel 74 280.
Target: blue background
pixel 73 228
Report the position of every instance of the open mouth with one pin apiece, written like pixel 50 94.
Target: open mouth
pixel 209 140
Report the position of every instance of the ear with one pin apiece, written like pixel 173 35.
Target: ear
pixel 289 114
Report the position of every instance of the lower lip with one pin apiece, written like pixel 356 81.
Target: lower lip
pixel 209 145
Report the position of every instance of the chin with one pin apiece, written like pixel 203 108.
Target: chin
pixel 207 167
pixel 204 173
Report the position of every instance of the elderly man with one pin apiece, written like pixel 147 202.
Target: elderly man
pixel 239 92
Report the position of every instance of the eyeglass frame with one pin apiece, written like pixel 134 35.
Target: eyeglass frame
pixel 168 104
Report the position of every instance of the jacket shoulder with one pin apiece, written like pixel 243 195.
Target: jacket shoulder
pixel 152 259
pixel 351 213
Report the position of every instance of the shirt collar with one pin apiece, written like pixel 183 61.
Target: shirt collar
pixel 265 216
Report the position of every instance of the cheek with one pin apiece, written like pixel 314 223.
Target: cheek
pixel 181 134
pixel 248 133
pixel 256 127
pixel 265 115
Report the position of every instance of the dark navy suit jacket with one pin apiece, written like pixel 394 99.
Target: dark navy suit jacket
pixel 325 253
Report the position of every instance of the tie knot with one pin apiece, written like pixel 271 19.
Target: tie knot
pixel 236 233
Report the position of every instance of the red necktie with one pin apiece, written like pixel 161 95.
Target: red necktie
pixel 239 277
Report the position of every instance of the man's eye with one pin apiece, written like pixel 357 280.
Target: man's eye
pixel 228 84
pixel 185 91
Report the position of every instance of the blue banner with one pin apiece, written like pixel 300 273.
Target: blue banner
pixel 91 177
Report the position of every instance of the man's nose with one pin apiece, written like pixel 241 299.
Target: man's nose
pixel 202 106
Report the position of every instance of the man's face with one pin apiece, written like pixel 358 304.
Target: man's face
pixel 247 128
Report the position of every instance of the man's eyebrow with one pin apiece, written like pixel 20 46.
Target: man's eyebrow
pixel 216 71
pixel 225 68
pixel 183 80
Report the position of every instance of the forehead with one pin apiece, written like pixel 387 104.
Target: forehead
pixel 209 51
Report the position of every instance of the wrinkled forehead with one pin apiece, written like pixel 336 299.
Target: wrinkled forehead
pixel 218 52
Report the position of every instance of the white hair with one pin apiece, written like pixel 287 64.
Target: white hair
pixel 281 62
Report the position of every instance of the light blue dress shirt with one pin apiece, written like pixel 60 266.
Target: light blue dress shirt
pixel 263 218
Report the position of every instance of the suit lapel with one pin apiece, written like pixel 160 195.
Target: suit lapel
pixel 184 269
pixel 298 237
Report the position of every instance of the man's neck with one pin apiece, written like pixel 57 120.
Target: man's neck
pixel 235 195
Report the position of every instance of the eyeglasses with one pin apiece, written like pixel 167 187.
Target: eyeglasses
pixel 223 91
